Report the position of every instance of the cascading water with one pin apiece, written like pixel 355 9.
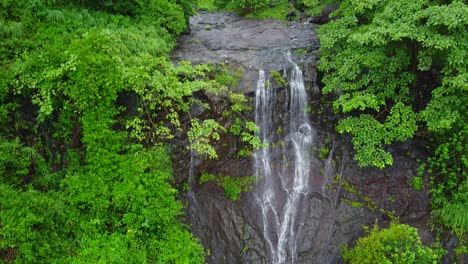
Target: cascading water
pixel 283 168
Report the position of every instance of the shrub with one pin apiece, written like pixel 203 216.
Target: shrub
pixel 233 186
pixel 244 6
pixel 397 244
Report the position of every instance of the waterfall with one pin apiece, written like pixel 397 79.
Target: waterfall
pixel 191 167
pixel 283 167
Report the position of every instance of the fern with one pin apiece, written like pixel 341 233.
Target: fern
pixel 454 213
pixel 54 15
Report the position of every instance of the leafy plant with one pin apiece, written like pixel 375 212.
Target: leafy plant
pixel 244 6
pixel 417 183
pixel 279 79
pixel 323 153
pixel 201 134
pixel 247 131
pixel 397 72
pixel 379 56
pixel 449 182
pixel 207 5
pixel 233 186
pixel 75 184
pixel 397 244
pixel 315 7
pixel 227 76
pixel 279 9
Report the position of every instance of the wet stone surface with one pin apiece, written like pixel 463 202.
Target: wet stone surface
pixel 233 231
pixel 225 38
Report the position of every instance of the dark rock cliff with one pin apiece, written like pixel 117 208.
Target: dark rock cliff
pixel 344 197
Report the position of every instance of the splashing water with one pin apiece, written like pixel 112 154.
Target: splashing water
pixel 284 169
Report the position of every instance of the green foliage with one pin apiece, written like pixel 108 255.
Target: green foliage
pixel 207 177
pixel 134 204
pixel 201 135
pixel 233 186
pixel 19 164
pixel 244 152
pixel 165 94
pixel 238 105
pixel 75 186
pixel 369 135
pixel 449 182
pixel 246 130
pixel 170 15
pixel 278 9
pixel 452 210
pixel 279 79
pixel 241 126
pixel 324 150
pixel 32 225
pixel 417 183
pixel 301 51
pixel 323 153
pixel 206 5
pixel 227 76
pixel 315 7
pixel 399 71
pixel 397 244
pixel 112 204
pixel 379 55
pixel 243 6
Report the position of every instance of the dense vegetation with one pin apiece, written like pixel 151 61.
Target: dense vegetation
pixel 88 98
pixel 84 176
pixel 278 9
pixel 232 186
pixel 400 72
pixel 398 244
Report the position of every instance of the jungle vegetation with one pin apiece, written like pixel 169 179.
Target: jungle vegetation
pixel 85 176
pixel 89 100
pixel 398 72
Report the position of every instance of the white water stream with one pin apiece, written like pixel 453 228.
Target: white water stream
pixel 283 167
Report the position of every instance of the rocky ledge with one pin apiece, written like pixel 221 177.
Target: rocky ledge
pixel 253 44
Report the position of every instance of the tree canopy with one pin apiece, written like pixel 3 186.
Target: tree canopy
pixel 84 177
pixel 398 70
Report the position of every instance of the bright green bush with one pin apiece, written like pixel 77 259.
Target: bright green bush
pixel 279 9
pixel 76 186
pixel 398 72
pixel 314 7
pixel 206 5
pixel 449 182
pixel 19 164
pixel 384 60
pixel 233 186
pixel 244 6
pixel 398 244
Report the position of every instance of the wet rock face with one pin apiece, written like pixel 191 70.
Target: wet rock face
pixel 233 231
pixel 226 38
